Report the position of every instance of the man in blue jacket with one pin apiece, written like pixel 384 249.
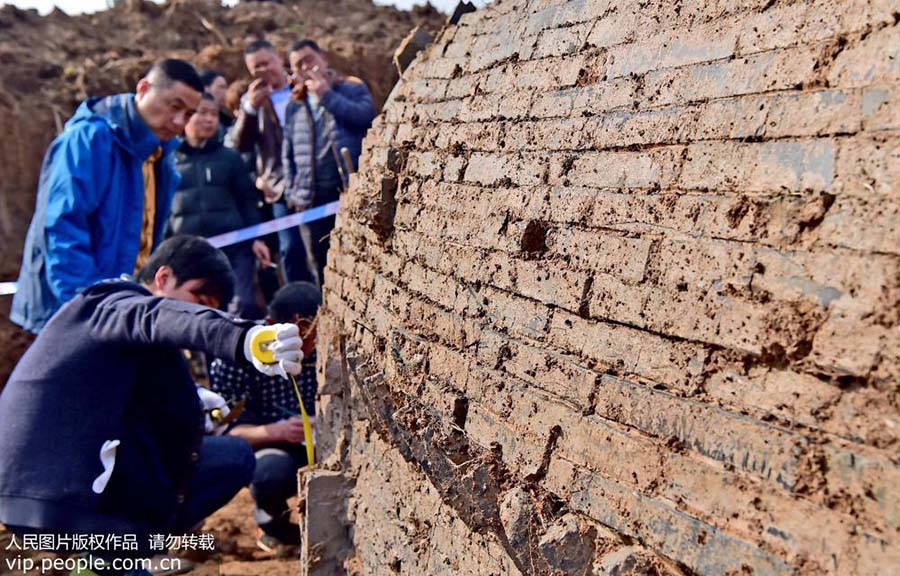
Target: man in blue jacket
pixel 101 428
pixel 329 112
pixel 104 191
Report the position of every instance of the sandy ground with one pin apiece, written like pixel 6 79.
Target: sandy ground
pixel 236 552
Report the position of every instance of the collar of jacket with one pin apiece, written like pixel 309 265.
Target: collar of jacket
pixel 211 145
pixel 120 113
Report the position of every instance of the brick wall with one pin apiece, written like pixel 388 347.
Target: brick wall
pixel 617 288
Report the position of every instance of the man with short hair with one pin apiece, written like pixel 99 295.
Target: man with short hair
pixel 215 195
pixel 259 127
pixel 104 191
pixel 101 427
pixel 329 112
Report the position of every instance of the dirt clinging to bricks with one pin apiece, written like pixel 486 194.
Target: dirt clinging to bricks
pixel 615 292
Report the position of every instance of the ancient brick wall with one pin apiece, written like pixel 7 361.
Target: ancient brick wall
pixel 618 288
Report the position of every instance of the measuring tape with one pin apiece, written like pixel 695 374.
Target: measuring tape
pixel 260 347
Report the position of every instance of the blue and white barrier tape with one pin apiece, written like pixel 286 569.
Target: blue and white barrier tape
pixel 248 233
pixel 257 230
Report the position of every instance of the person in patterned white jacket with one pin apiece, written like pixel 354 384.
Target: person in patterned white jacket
pixel 270 420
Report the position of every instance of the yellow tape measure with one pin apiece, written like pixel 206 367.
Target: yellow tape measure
pixel 260 347
pixel 307 428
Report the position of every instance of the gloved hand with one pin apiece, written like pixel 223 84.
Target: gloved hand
pixel 211 402
pixel 286 349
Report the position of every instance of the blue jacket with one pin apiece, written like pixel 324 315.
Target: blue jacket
pixel 90 205
pixel 108 367
pixel 350 105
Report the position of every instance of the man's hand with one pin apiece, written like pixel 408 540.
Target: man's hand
pixel 298 91
pixel 261 251
pixel 285 348
pixel 316 81
pixel 211 402
pixel 257 93
pixel 269 193
pixel 289 430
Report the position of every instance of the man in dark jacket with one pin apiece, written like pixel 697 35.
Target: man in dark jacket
pixel 101 428
pixel 258 128
pixel 329 112
pixel 215 195
pixel 104 191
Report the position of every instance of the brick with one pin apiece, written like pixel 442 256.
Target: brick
pixel 431 285
pixel 814 113
pixel 871 60
pixel 788 165
pixel 555 374
pixel 617 169
pixel 706 492
pixel 559 287
pixel 869 167
pixel 557 104
pixel 561 41
pixel 617 27
pixel 753 446
pixel 859 224
pixel 622 129
pixel 588 100
pixel 490 169
pixel 673 364
pixel 856 471
pixel 619 256
pixel 881 108
pixel 690 313
pixel 518 316
pixel 484 136
pixel 556 134
pixel 564 15
pixel 807 400
pixel 606 95
pixel 777 27
pixel 768 71
pixel 671 50
pixel 487 429
pixel 547 73
pixel 426 164
pixel 845 345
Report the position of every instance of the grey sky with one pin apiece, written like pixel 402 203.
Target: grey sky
pixel 76 6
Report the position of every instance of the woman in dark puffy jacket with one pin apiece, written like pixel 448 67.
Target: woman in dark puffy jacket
pixel 215 195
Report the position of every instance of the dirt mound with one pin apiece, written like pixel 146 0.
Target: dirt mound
pixel 48 64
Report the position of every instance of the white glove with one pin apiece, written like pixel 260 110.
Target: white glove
pixel 286 350
pixel 212 401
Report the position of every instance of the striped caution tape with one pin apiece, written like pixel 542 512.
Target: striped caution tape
pixel 283 223
pixel 248 233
